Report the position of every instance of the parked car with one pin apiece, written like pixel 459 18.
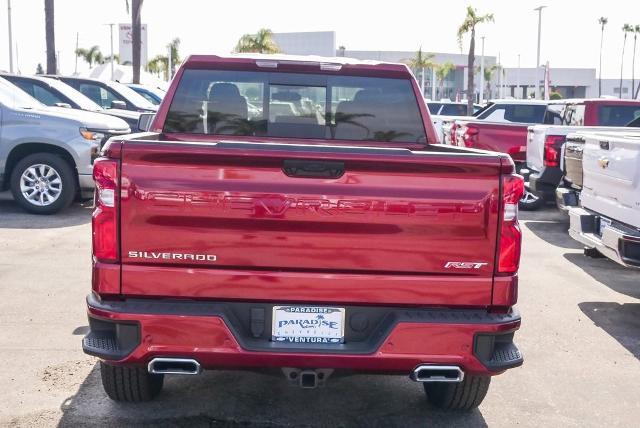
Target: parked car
pixel 545 142
pixel 446 111
pixel 337 237
pixel 152 94
pixel 46 153
pixel 608 222
pixel 499 111
pixel 55 93
pixel 108 94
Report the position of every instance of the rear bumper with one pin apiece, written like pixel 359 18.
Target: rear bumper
pixel 617 241
pixel 229 335
pixel 544 183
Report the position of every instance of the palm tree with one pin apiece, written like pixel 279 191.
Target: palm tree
pixel 136 40
pixel 157 64
pixel 261 42
pixel 626 29
pixel 442 71
pixel 602 21
pixel 174 46
pixel 421 62
pixel 91 55
pixel 636 30
pixel 469 26
pixel 488 75
pixel 50 37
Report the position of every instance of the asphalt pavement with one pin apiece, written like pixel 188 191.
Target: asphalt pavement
pixel 580 336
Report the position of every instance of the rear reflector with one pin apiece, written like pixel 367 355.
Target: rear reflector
pixel 510 234
pixel 104 218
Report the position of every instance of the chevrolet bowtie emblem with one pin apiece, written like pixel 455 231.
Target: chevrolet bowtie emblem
pixel 603 162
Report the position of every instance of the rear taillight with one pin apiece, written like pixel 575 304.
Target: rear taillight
pixel 552 146
pixel 510 234
pixel 452 134
pixel 105 219
pixel 469 136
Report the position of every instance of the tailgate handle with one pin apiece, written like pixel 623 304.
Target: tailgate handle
pixel 313 168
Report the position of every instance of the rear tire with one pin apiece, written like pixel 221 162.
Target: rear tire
pixel 130 384
pixel 46 173
pixel 465 395
pixel 530 201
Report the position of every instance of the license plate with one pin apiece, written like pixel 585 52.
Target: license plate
pixel 604 222
pixel 308 324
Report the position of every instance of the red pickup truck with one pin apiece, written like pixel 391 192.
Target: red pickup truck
pixel 293 214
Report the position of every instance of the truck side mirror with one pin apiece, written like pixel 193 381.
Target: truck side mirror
pixel 144 121
pixel 117 104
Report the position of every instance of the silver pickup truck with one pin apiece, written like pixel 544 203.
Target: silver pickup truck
pixel 46 153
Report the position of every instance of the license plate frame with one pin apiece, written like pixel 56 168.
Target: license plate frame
pixel 603 223
pixel 308 325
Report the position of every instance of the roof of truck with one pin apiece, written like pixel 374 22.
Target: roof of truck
pixel 296 63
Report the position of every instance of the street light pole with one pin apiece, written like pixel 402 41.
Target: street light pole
pixel 482 73
pixel 10 37
pixel 539 9
pixel 111 41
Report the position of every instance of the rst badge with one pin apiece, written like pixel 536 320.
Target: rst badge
pixel 464 265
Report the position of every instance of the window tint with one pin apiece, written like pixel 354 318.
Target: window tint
pixel 454 110
pixel 523 113
pixel 617 115
pixel 38 92
pixel 434 108
pixel 99 95
pixel 295 105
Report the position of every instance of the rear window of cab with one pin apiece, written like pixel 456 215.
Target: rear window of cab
pixel 218 102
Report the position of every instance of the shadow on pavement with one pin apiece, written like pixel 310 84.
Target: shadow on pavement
pixel 621 321
pixel 551 225
pixel 244 399
pixel 616 277
pixel 14 217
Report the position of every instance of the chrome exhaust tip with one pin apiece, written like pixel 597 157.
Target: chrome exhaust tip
pixel 432 373
pixel 179 366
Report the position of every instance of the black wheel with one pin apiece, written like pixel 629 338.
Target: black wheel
pixel 43 183
pixel 132 384
pixel 465 395
pixel 530 201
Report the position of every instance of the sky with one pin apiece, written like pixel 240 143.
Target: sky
pixel 570 29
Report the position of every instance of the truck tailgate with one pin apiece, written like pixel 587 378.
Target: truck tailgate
pixel 292 222
pixel 611 163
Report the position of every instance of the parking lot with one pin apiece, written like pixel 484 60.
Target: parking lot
pixel 580 336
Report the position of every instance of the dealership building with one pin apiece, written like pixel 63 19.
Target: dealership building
pixel 514 82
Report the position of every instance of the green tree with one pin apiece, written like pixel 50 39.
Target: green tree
pixel 261 42
pixel 91 55
pixel 442 71
pixel 39 69
pixel 421 62
pixel 626 29
pixel 469 26
pixel 602 21
pixel 52 66
pixel 116 59
pixel 160 63
pixel 174 46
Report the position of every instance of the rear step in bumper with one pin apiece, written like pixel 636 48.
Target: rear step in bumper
pixel 476 341
pixel 618 242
